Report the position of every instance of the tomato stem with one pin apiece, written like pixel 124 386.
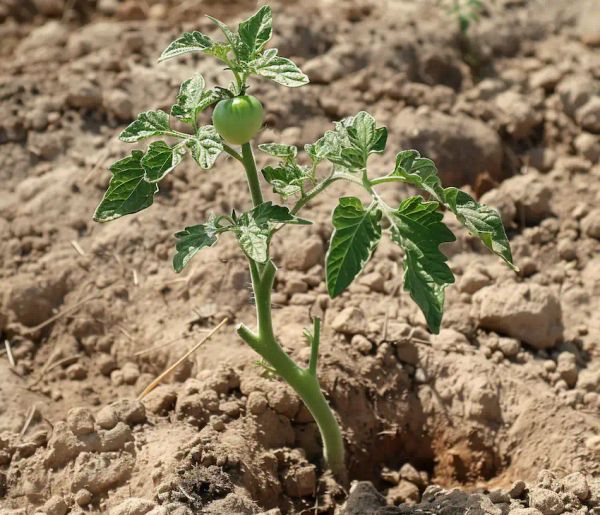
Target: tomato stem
pixel 304 381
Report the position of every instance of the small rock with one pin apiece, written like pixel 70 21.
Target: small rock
pixel 547 78
pixel 303 255
pixel 590 224
pixel 124 410
pixel 575 91
pixel 588 116
pixel 525 511
pixel 80 421
pixel 566 366
pixel 577 484
pixel 410 473
pixel 76 372
pixel 566 249
pixel 301 481
pixel 106 364
pixel 56 505
pixel 361 344
pixel 531 195
pixel 130 373
pixel 133 506
pixel 374 281
pixel 118 103
pixel 517 489
pixel 403 492
pixel 257 403
pixel 107 418
pixel 546 501
pixel 520 116
pixel 473 280
pixel 528 312
pixel 588 145
pixel 84 95
pixel 161 400
pixel 83 497
pixel 510 347
pixel 350 321
pixel 283 401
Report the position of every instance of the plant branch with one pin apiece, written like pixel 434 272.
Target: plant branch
pixel 314 347
pixel 233 153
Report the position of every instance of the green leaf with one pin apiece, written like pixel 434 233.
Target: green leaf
pixel 190 241
pixel 254 241
pixel 418 228
pixel 160 159
pixel 187 42
pixel 279 150
pixel 241 51
pixel 357 232
pixel 256 31
pixel 193 99
pixel 128 191
pixel 350 143
pixel 253 229
pixel 147 124
pixel 287 178
pixel 269 212
pixel 206 145
pixel 482 221
pixel 278 69
pixel 420 172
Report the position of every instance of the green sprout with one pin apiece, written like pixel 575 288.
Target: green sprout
pixel 341 154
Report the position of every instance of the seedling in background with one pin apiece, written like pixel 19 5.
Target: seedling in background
pixel 466 12
pixel 341 154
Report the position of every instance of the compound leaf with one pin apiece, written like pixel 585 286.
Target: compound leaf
pixel 128 191
pixel 193 99
pixel 241 51
pixel 357 232
pixel 190 241
pixel 279 69
pixel 256 31
pixel 147 124
pixel 418 228
pixel 160 159
pixel 480 220
pixel 187 42
pixel 287 178
pixel 269 212
pixel 206 145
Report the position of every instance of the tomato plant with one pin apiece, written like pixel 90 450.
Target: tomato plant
pixel 341 154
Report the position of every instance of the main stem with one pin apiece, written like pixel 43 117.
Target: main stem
pixel 304 381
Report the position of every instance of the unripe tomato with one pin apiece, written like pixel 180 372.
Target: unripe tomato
pixel 238 119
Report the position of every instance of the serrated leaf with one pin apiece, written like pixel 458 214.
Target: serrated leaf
pixel 256 31
pixel 192 99
pixel 480 220
pixel 355 237
pixel 418 228
pixel 269 212
pixel 279 150
pixel 206 145
pixel 190 241
pixel 239 48
pixel 278 69
pixel 160 159
pixel 147 124
pixel 128 191
pixel 254 241
pixel 187 42
pixel 350 143
pixel 253 228
pixel 287 178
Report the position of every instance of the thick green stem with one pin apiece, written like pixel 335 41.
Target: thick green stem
pixel 304 381
pixel 251 173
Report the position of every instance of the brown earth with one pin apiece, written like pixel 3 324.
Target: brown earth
pixel 510 387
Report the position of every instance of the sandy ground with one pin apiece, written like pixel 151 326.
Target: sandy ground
pixel 497 414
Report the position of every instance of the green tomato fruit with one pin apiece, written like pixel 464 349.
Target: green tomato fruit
pixel 238 119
